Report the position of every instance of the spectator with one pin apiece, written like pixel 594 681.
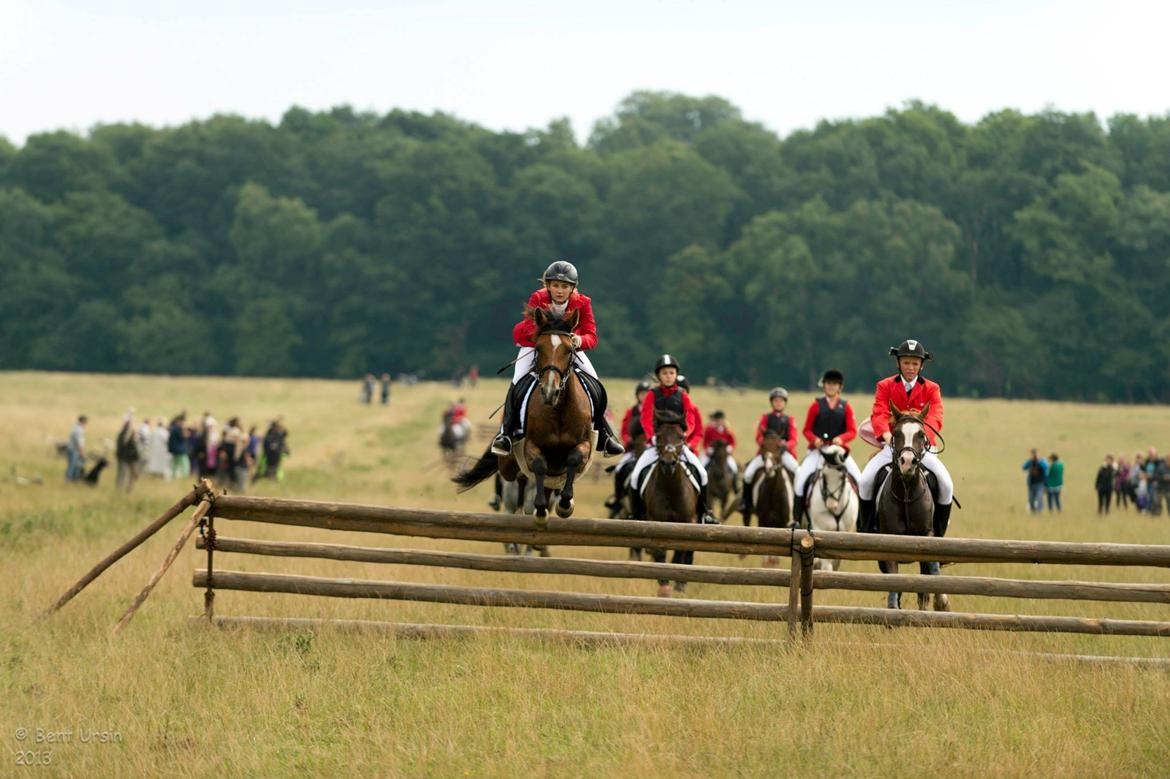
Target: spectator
pixel 1037 472
pixel 274 450
pixel 76 451
pixel 1121 484
pixel 1159 473
pixel 1142 492
pixel 128 453
pixel 1105 476
pixel 1053 481
pixel 385 382
pixel 158 459
pixel 368 389
pixel 178 447
pixel 473 376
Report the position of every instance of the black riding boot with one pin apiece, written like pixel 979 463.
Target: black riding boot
pixel 705 515
pixel 942 518
pixel 638 508
pixel 797 510
pixel 614 504
pixel 502 443
pixel 745 503
pixel 607 441
pixel 867 516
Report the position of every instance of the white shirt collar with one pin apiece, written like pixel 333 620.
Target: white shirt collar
pixel 558 307
pixel 908 384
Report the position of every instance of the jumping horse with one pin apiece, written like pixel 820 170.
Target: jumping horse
pixel 906 505
pixel 558 426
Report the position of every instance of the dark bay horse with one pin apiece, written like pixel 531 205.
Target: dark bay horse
pixel 906 506
pixel 669 495
pixel 720 480
pixel 771 489
pixel 558 428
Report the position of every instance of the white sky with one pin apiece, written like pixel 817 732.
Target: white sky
pixel 515 64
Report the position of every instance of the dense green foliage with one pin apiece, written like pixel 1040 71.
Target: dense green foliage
pixel 1031 253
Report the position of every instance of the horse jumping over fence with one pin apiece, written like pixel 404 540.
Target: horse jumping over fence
pixel 558 428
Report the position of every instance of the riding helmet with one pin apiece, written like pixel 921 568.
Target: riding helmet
pixel 643 386
pixel 911 348
pixel 560 271
pixel 682 382
pixel 718 415
pixel 778 392
pixel 833 375
pixel 666 361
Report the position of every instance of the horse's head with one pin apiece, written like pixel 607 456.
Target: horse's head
pixel 719 451
pixel 770 450
pixel 554 351
pixel 671 440
pixel 909 439
pixel 834 455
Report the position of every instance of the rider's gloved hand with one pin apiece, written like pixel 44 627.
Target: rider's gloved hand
pixel 576 339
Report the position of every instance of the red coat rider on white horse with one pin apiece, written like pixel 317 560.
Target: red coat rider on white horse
pixel 561 296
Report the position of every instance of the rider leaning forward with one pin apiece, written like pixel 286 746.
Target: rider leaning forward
pixel 907 391
pixel 669 396
pixel 829 422
pixel 560 296
pixel 774 422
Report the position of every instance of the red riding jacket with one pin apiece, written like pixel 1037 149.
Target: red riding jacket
pixel 524 333
pixel 694 427
pixel 627 436
pixel 789 443
pixel 713 433
pixel 892 390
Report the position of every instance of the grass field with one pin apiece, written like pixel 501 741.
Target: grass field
pixel 177 701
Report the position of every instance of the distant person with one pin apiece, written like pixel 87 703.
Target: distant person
pixel 1121 493
pixel 158 458
pixel 75 450
pixel 473 376
pixel 368 389
pixel 385 382
pixel 274 449
pixel 177 447
pixel 127 453
pixel 1159 476
pixel 1054 481
pixel 1104 484
pixel 1036 468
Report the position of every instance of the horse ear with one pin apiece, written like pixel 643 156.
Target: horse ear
pixel 895 412
pixel 538 316
pixel 926 409
pixel 571 321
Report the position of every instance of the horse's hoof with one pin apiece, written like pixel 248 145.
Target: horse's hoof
pixel 942 602
pixel 541 517
pixel 893 601
pixel 563 511
pixel 664 591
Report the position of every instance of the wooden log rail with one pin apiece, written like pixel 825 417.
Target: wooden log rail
pixel 741 540
pixel 626 604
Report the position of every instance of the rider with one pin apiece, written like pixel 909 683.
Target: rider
pixel 775 421
pixel 667 396
pixel 694 418
pixel 718 430
pixel 907 391
pixel 559 295
pixel 829 421
pixel 631 427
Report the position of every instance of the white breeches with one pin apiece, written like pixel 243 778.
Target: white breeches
pixel 650 456
pixel 732 465
pixel 757 462
pixel 627 457
pixel 930 461
pixel 526 363
pixel 812 461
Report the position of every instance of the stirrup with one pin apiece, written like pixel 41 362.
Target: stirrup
pixel 611 448
pixel 709 519
pixel 501 445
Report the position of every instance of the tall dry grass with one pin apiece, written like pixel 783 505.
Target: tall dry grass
pixel 190 702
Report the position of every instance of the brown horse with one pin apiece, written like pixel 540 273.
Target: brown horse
pixel 669 495
pixel 720 480
pixel 558 428
pixel 771 489
pixel 906 506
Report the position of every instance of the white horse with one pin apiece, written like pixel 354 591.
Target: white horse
pixel 833 503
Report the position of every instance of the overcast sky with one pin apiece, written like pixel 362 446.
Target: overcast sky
pixel 514 64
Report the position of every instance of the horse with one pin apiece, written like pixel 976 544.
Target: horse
pixel 720 480
pixel 669 495
pixel 906 506
pixel 832 503
pixel 519 499
pixel 772 490
pixel 558 427
pixel 452 438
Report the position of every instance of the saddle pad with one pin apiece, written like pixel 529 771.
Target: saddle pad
pixel 694 478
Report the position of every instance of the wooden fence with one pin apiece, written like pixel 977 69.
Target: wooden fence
pixel 793 605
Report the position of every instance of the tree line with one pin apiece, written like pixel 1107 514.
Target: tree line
pixel 1031 253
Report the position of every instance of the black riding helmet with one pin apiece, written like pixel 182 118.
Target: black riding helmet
pixel 718 415
pixel 911 348
pixel 643 386
pixel 560 271
pixel 832 375
pixel 666 361
pixel 681 381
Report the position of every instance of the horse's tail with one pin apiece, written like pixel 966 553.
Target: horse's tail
pixel 484 467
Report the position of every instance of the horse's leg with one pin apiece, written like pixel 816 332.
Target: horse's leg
pixel 893 599
pixel 682 557
pixel 572 463
pixel 540 504
pixel 659 556
pixel 941 601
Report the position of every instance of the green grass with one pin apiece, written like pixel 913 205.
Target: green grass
pixel 194 702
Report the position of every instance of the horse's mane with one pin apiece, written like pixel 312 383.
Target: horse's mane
pixel 553 322
pixel 664 417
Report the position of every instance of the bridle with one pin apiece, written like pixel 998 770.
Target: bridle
pixel 562 373
pixel 916 468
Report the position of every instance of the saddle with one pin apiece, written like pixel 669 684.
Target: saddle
pixel 527 383
pixel 692 474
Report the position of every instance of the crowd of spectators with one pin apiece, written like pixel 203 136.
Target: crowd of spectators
pixel 1143 483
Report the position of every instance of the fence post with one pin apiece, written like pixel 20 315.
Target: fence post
pixel 806 585
pixel 793 586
